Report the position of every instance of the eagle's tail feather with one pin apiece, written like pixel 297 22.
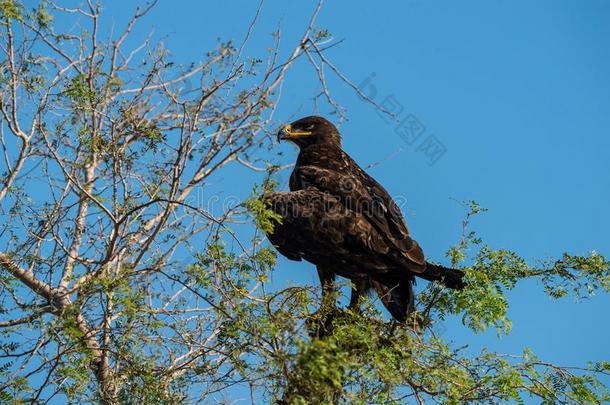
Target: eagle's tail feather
pixel 451 278
pixel 396 295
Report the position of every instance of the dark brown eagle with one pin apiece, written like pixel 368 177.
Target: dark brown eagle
pixel 339 218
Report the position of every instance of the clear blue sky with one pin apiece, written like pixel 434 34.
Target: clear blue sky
pixel 518 92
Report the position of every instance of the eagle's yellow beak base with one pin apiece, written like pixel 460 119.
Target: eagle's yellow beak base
pixel 288 133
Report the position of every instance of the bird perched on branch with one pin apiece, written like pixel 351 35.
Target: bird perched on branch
pixel 339 218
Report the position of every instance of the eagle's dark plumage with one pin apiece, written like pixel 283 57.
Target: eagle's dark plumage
pixel 339 218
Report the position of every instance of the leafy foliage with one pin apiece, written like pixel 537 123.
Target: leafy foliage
pixel 258 205
pixel 10 9
pixel 121 282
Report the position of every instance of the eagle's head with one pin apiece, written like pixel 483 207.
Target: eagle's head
pixel 310 130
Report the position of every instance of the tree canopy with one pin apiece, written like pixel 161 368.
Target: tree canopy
pixel 119 285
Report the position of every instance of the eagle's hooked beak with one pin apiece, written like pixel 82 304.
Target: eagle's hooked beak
pixel 287 133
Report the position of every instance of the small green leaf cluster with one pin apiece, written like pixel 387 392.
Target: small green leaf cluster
pixel 259 206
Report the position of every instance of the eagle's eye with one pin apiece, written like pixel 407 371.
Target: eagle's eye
pixel 309 127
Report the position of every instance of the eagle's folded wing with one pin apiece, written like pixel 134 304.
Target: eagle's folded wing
pixel 363 195
pixel 317 227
